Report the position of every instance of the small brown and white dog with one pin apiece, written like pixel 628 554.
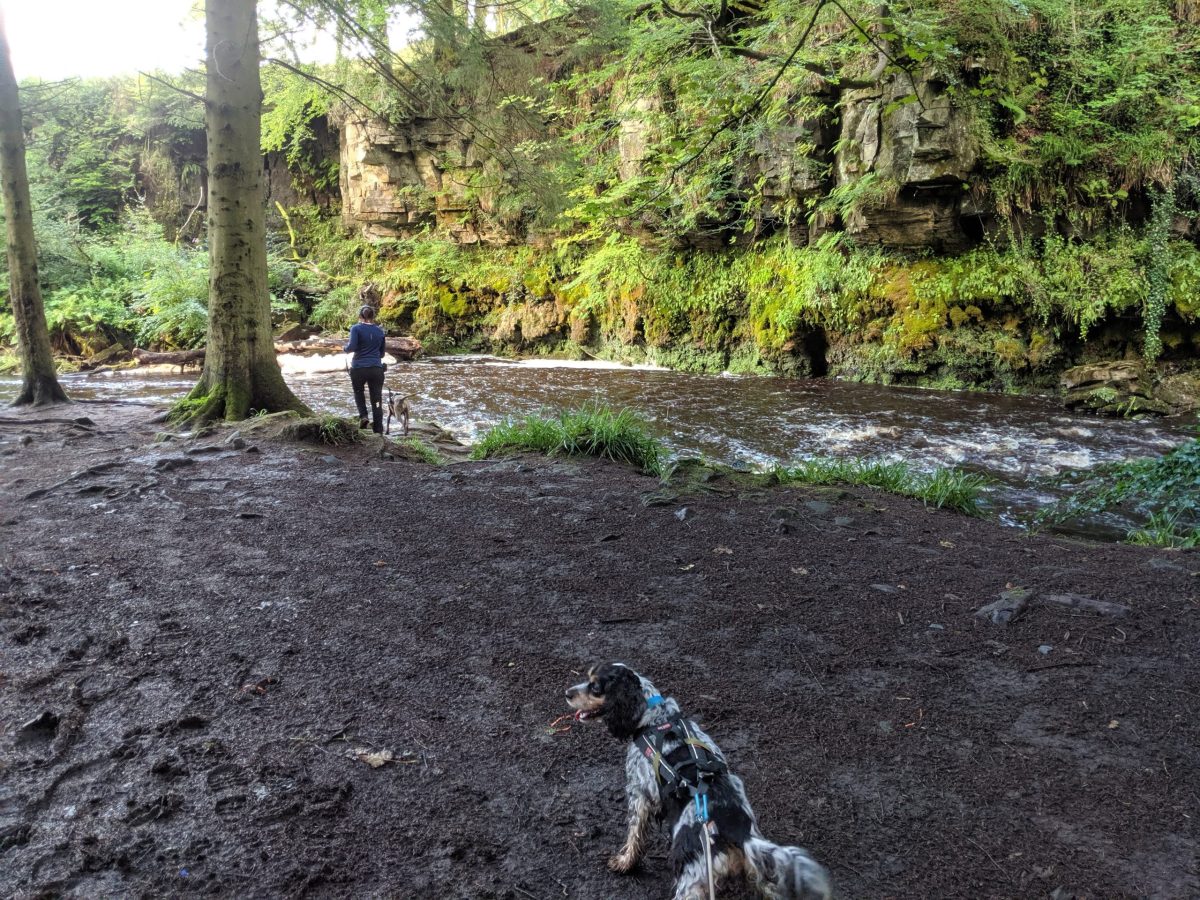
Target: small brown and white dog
pixel 398 409
pixel 668 757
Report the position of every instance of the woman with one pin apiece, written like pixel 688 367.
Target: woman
pixel 367 368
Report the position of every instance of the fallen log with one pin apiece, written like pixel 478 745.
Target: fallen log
pixel 179 358
pixel 402 348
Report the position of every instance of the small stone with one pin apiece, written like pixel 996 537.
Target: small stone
pixel 1044 649
pixel 820 507
pixel 170 463
pixel 885 588
pixel 233 438
pixel 1010 605
pixel 83 420
pixel 843 521
pixel 684 512
pixel 26 440
pixel 330 458
pixel 933 626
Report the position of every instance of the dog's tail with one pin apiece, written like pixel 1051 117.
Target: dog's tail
pixel 785 873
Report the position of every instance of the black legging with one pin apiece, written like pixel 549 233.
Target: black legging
pixel 369 377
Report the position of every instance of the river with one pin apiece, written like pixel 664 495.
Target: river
pixel 1020 442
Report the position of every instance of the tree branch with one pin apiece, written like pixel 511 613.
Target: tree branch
pixel 176 88
pixel 679 13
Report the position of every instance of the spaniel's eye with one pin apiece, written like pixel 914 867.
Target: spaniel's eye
pixel 594 688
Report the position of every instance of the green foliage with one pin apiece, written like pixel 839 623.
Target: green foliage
pixel 1165 491
pixel 586 431
pixel 943 488
pixel 422 451
pixel 334 431
pixel 1080 104
pixel 1158 271
pixel 1163 530
pixel 294 106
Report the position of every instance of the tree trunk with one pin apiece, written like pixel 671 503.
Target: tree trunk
pixel 241 375
pixel 40 385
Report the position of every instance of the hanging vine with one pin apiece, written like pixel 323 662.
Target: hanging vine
pixel 1158 270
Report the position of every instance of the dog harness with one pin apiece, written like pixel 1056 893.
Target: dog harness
pixel 688 776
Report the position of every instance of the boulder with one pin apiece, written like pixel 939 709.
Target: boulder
pixel 1113 389
pixel 1180 392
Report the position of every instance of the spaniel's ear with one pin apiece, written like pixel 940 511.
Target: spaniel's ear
pixel 624 704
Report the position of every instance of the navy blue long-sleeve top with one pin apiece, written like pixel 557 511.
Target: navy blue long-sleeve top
pixel 367 344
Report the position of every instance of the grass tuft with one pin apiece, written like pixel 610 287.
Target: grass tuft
pixel 589 430
pixel 421 451
pixel 943 488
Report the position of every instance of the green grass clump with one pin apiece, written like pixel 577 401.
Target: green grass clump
pixel 943 488
pixel 334 431
pixel 421 451
pixel 586 431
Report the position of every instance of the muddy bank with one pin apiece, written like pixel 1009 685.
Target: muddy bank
pixel 194 646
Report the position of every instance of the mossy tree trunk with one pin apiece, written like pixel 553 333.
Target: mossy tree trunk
pixel 40 384
pixel 241 375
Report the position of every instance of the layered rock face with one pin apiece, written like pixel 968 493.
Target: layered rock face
pixel 920 151
pixel 393 181
pixel 911 158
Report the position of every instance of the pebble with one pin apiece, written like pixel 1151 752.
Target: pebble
pixel 1045 648
pixel 684 512
pixel 933 626
pixel 885 588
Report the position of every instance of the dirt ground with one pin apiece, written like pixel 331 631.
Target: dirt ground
pixel 199 648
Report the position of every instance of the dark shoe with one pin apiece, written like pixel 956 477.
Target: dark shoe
pixel 364 423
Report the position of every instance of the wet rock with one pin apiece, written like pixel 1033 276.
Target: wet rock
pixel 1113 388
pixel 820 507
pixel 83 420
pixel 170 765
pixel 1045 649
pixel 1180 392
pixel 1008 608
pixel 171 463
pixel 14 836
pixel 39 729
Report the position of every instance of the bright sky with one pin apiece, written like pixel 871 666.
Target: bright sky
pixel 54 39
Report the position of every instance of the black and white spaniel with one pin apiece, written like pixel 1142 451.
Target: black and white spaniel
pixel 675 772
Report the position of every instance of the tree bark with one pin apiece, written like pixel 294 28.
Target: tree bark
pixel 241 375
pixel 40 381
